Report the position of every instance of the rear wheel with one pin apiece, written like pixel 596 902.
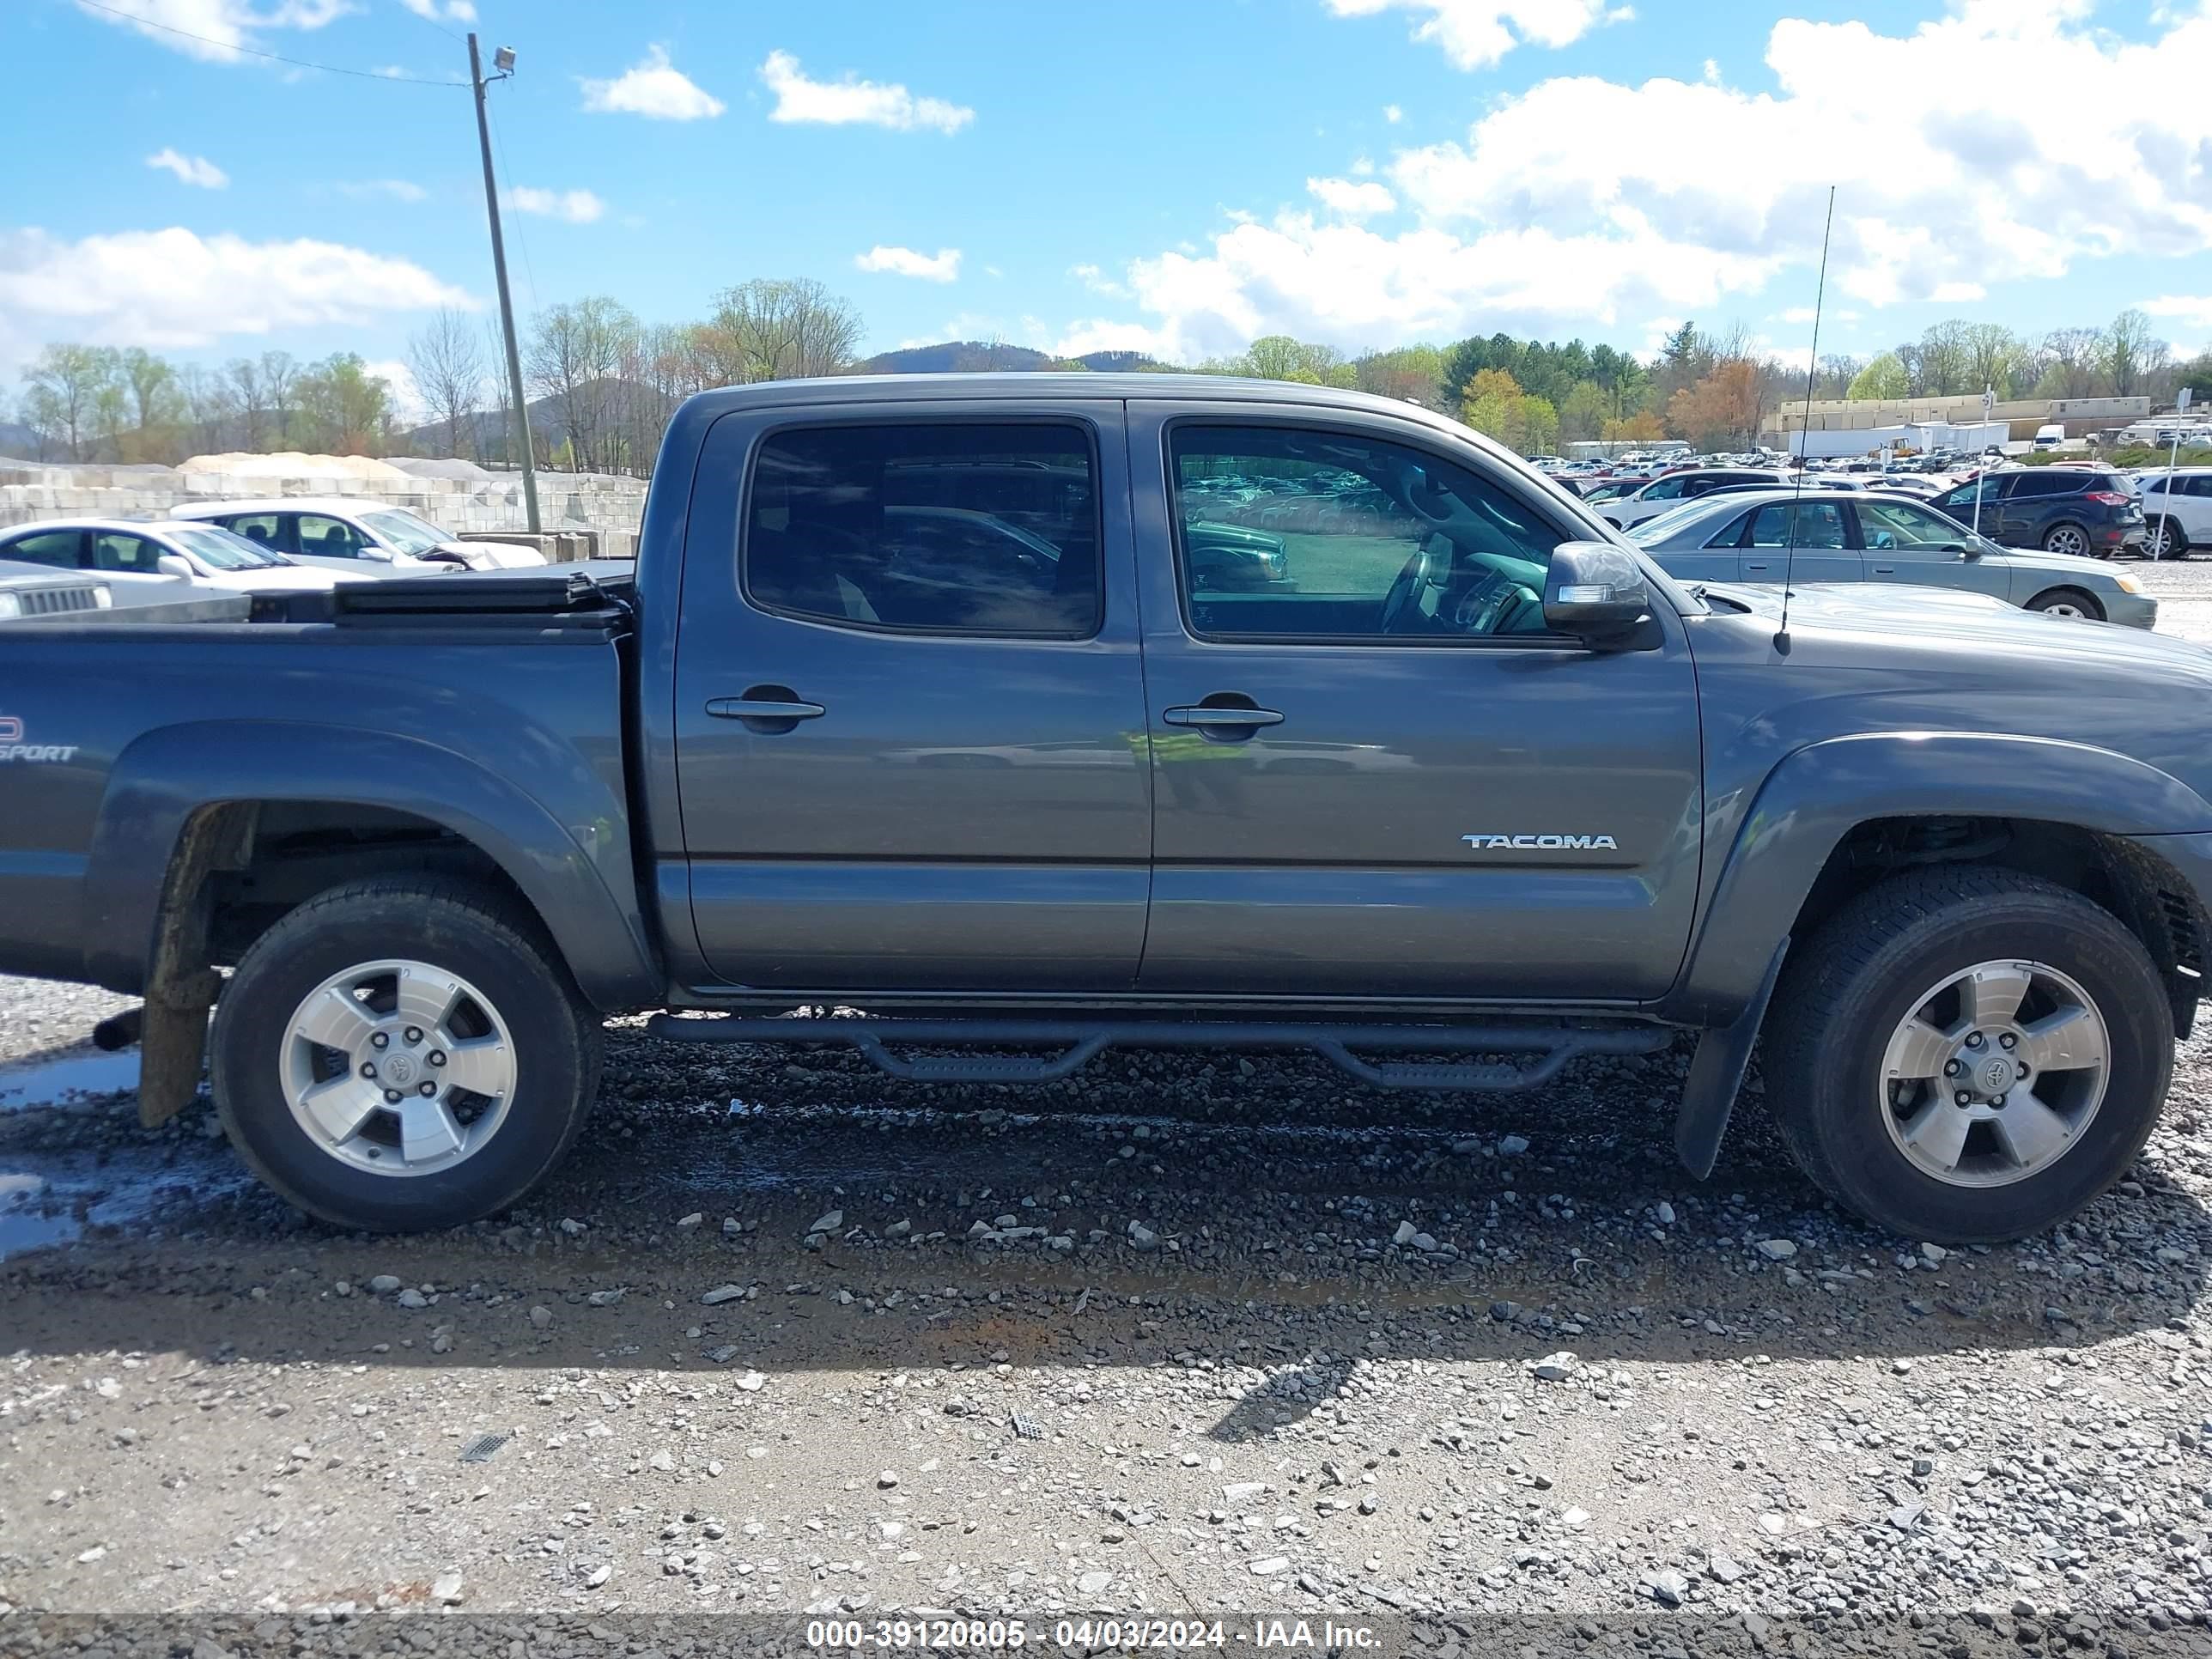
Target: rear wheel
pixel 2067 539
pixel 1968 1055
pixel 2165 539
pixel 2068 602
pixel 399 1055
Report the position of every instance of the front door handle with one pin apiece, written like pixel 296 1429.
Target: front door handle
pixel 1236 718
pixel 1884 570
pixel 771 710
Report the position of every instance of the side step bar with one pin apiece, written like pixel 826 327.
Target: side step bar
pixel 1081 1041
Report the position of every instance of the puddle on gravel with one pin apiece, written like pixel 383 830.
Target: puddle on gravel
pixel 45 1082
pixel 56 1199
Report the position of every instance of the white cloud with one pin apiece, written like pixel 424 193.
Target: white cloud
pixel 173 289
pixel 409 406
pixel 943 266
pixel 2190 310
pixel 1476 33
pixel 1353 201
pixel 1097 281
pixel 1802 314
pixel 195 170
pixel 453 11
pixel 576 207
pixel 1393 114
pixel 653 87
pixel 399 189
pixel 849 101
pixel 214 30
pixel 1992 194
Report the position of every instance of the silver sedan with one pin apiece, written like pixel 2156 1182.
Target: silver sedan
pixel 1878 536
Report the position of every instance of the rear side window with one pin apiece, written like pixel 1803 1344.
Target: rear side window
pixel 2045 484
pixel 58 548
pixel 262 529
pixel 937 527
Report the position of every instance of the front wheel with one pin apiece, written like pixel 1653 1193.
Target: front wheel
pixel 1968 1055
pixel 2068 602
pixel 2164 540
pixel 402 1054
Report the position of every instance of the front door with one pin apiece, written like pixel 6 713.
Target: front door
pixel 909 710
pixel 1377 775
pixel 1907 545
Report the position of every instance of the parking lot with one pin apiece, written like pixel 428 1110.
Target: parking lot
pixel 1183 1334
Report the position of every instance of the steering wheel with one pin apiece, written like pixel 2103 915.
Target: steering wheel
pixel 1402 611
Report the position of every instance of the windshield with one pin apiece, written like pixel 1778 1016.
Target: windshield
pixel 1649 531
pixel 403 532
pixel 224 550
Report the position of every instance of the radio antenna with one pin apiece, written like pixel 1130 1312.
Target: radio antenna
pixel 1805 427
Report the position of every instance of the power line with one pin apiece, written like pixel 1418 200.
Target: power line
pixel 135 20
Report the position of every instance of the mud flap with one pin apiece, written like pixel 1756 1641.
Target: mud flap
pixel 180 988
pixel 1717 1074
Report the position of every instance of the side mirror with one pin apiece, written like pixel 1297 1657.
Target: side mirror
pixel 380 554
pixel 1595 592
pixel 1964 550
pixel 170 565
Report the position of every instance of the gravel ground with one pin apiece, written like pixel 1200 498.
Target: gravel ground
pixel 1184 1335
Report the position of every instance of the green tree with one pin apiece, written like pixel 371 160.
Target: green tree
pixel 343 404
pixel 1884 378
pixel 62 387
pixel 1584 414
pixel 2132 353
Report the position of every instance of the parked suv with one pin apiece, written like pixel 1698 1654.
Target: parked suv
pixel 2060 509
pixel 2177 509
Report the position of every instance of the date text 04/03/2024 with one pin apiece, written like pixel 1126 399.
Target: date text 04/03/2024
pixel 1089 1634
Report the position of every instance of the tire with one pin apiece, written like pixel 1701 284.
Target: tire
pixel 1844 1003
pixel 2068 539
pixel 2066 602
pixel 514 1021
pixel 2165 539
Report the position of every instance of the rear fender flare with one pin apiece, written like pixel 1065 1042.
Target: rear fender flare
pixel 566 847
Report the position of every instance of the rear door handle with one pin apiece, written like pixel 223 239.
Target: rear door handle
pixel 1249 719
pixel 1884 570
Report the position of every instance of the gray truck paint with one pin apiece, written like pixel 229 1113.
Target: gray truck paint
pixel 884 851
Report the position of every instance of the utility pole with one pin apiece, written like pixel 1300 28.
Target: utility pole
pixel 503 60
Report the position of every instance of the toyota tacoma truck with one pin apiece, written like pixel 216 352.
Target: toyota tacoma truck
pixel 928 700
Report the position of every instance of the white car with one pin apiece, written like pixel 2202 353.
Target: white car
pixel 2176 517
pixel 1671 490
pixel 342 533
pixel 163 550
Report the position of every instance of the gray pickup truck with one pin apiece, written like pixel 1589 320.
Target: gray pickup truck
pixel 1030 715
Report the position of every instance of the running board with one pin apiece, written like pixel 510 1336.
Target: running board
pixel 1081 1041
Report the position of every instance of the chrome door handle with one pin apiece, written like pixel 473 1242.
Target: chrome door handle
pixel 769 710
pixel 1249 718
pixel 763 708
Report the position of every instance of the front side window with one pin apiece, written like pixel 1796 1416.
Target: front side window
pixel 1289 533
pixel 113 550
pixel 264 530
pixel 328 538
pixel 938 527
pixel 1890 527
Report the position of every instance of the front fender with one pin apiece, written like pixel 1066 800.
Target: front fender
pixel 567 847
pixel 1818 794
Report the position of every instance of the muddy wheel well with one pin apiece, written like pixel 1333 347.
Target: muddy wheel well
pixel 243 865
pixel 2146 893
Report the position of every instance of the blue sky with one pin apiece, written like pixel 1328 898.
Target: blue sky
pixel 1176 177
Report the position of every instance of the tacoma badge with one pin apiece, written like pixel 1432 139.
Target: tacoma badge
pixel 1542 843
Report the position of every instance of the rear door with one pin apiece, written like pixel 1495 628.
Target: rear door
pixel 1382 777
pixel 909 706
pixel 1807 541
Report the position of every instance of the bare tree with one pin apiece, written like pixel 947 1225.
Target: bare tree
pixel 782 329
pixel 2132 353
pixel 280 384
pixel 2076 362
pixel 447 360
pixel 246 388
pixel 208 403
pixel 1994 354
pixel 63 389
pixel 574 350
